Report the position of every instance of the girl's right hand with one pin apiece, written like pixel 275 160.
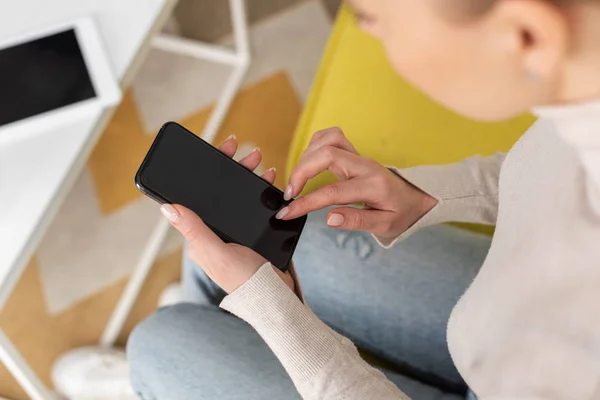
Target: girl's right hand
pixel 391 204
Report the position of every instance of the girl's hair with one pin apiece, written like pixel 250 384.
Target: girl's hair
pixel 479 7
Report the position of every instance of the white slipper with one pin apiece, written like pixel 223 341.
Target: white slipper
pixel 171 295
pixel 93 373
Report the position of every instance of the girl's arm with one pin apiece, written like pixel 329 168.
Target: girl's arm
pixel 398 205
pixel 466 192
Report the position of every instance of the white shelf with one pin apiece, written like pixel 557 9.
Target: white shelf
pixel 36 173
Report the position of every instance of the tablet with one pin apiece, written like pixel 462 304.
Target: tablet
pixel 53 76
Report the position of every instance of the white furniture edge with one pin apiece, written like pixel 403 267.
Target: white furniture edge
pixel 9 354
pixel 240 59
pixel 103 81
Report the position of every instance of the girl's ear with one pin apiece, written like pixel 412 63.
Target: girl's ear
pixel 537 36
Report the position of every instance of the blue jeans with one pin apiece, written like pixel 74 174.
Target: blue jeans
pixel 393 304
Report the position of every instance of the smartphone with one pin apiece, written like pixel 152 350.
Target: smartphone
pixel 239 206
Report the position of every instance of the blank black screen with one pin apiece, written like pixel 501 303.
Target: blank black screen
pixel 182 169
pixel 42 75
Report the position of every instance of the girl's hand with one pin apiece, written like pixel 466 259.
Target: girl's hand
pixel 391 205
pixel 229 265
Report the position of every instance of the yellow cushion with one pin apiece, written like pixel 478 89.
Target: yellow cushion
pixel 383 116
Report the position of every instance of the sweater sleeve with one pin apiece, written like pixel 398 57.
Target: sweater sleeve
pixel 466 192
pixel 322 364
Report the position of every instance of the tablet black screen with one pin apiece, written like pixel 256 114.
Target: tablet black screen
pixel 42 75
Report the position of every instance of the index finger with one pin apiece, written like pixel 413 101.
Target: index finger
pixel 342 164
pixel 229 146
pixel 335 194
pixel 329 137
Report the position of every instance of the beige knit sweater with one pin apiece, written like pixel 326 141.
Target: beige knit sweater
pixel 529 325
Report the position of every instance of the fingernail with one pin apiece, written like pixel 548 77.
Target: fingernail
pixel 170 212
pixel 231 137
pixel 283 212
pixel 287 195
pixel 335 220
pixel 255 150
pixel 271 169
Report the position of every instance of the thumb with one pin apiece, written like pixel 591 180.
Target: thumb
pixel 356 219
pixel 190 225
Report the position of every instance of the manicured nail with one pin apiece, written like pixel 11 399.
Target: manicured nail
pixel 255 150
pixel 170 212
pixel 283 212
pixel 231 137
pixel 271 169
pixel 335 220
pixel 287 195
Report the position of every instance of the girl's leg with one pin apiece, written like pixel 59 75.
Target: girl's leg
pixel 394 303
pixel 197 352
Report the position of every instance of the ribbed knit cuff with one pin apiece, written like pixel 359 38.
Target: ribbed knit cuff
pixel 433 217
pixel 419 177
pixel 298 338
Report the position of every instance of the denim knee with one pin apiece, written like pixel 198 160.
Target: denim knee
pixel 149 342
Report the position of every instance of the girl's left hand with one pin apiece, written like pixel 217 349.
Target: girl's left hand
pixel 229 265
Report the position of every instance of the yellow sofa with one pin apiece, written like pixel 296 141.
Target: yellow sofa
pixel 383 116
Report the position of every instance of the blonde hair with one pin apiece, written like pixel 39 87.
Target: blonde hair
pixel 481 6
